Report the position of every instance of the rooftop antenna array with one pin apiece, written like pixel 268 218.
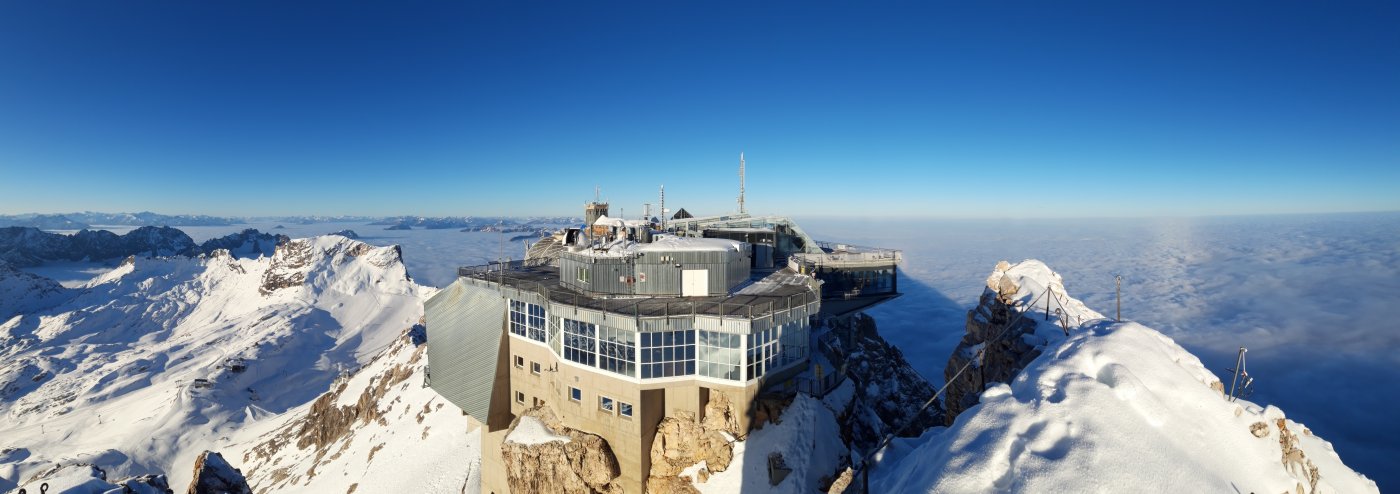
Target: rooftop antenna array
pixel 663 207
pixel 741 182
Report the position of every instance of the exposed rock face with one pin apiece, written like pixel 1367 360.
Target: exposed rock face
pixel 248 243
pixel 31 247
pixel 998 344
pixel 328 423
pixel 213 475
pixel 682 441
pixel 289 264
pixel 583 464
pixel 888 392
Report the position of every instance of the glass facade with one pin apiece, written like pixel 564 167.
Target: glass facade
pixel 663 354
pixel 762 352
pixel 617 351
pixel 580 339
pixel 668 354
pixel 527 320
pixel 719 355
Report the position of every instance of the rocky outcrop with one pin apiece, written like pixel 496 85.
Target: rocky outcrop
pixel 214 475
pixel 997 345
pixel 327 422
pixel 289 263
pixel 887 392
pixel 31 247
pixel 684 440
pixel 350 234
pixel 574 462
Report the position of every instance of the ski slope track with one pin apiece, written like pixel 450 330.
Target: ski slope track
pixel 143 368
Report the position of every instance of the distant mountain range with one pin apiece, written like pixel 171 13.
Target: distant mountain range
pixel 29 246
pixel 79 221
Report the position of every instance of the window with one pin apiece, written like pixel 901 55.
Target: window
pixel 719 355
pixel 624 409
pixel 535 368
pixel 575 394
pixel 762 351
pixel 520 397
pixel 605 404
pixel 584 274
pixel 668 354
pixel 579 342
pixel 617 351
pixel 519 362
pixel 527 320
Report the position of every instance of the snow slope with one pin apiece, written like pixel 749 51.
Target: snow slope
pixel 112 375
pixel 378 430
pixel 1111 407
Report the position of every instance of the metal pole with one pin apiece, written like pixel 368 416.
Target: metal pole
pixel 1047 302
pixel 1118 288
pixel 1239 363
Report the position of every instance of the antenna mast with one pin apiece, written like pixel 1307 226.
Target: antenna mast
pixel 663 207
pixel 741 182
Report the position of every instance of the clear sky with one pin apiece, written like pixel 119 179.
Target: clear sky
pixel 965 109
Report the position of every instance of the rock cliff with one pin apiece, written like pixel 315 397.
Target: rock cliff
pixel 214 475
pixel 683 440
pixel 883 393
pixel 997 345
pixel 557 459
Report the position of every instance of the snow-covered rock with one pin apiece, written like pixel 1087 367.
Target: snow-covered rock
pixel 1109 406
pixel 22 292
pixel 247 243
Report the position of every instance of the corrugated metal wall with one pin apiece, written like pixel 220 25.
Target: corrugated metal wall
pixel 625 275
pixel 465 324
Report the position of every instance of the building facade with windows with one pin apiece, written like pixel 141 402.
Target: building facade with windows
pixel 613 336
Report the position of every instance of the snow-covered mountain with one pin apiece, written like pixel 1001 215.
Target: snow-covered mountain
pixel 1099 406
pixel 305 369
pixel 145 367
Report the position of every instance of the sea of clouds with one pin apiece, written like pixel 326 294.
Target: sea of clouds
pixel 1309 295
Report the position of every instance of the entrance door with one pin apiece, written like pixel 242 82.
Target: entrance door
pixel 695 283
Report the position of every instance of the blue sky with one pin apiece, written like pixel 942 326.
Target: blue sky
pixel 899 108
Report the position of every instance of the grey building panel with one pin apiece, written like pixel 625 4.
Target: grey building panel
pixel 653 272
pixel 464 324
